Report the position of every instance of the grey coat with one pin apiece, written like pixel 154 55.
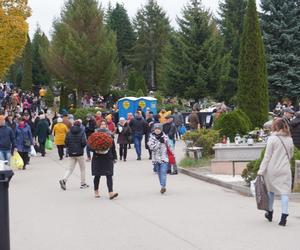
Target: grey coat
pixel 275 166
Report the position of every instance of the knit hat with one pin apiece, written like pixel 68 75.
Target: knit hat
pixel 158 126
pixel 59 120
pixel 122 119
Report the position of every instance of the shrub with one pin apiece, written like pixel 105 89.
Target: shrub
pixel 232 123
pixel 170 107
pixel 205 138
pixel 83 112
pixel 249 174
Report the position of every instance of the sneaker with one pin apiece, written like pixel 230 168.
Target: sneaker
pixel 84 185
pixel 63 184
pixel 163 190
pixel 139 158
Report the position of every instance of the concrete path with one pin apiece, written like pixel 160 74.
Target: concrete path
pixel 191 215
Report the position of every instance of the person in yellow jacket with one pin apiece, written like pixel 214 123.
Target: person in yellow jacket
pixel 42 92
pixel 60 131
pixel 162 116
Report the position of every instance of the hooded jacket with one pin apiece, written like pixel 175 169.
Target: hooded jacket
pixel 75 141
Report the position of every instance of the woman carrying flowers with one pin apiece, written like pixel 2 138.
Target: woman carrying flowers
pixel 104 157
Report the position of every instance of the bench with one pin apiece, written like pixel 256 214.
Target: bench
pixel 197 152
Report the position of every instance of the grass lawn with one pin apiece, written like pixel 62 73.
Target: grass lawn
pixel 188 162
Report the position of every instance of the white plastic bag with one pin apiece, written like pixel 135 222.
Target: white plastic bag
pixel 32 152
pixel 252 187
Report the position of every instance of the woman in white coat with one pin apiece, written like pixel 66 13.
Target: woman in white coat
pixel 276 167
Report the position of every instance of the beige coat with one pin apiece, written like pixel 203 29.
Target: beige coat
pixel 275 166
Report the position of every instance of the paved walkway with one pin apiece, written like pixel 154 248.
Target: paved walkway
pixel 191 215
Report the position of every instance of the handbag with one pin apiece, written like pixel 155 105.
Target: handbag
pixel 261 193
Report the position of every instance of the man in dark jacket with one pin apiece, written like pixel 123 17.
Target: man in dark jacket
pixel 89 129
pixel 169 128
pixel 75 143
pixel 7 140
pixel 42 132
pixel 139 127
pixel 295 130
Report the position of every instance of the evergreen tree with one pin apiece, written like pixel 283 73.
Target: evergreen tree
pixel 152 28
pixel 119 22
pixel 231 25
pixel 40 73
pixel 196 64
pixel 82 51
pixel 27 66
pixel 137 82
pixel 281 29
pixel 253 97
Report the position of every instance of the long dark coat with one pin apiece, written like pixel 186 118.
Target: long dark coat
pixel 125 136
pixel 103 164
pixel 295 130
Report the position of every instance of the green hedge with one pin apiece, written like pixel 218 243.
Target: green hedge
pixel 232 123
pixel 205 138
pixel 83 112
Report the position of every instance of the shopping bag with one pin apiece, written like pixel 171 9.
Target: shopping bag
pixel 49 144
pixel 32 151
pixel 261 193
pixel 171 156
pixel 16 161
pixel 252 187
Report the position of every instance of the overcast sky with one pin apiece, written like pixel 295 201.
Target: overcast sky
pixel 44 11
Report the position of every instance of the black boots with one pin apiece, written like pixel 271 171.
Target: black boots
pixel 269 216
pixel 283 220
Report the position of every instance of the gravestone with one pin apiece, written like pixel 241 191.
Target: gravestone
pixel 297 177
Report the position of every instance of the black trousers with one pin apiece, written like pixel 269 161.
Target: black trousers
pixel 60 149
pixel 42 148
pixel 123 151
pixel 25 158
pixel 109 182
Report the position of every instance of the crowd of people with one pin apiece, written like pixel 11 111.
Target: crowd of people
pixel 25 126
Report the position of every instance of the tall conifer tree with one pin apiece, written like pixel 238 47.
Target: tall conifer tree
pixel 153 31
pixel 40 73
pixel 253 95
pixel 118 21
pixel 82 52
pixel 281 29
pixel 196 64
pixel 27 66
pixel 231 25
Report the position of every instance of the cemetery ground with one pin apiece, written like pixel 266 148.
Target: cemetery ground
pixel 192 214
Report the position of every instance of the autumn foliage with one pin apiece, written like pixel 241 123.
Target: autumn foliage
pixel 13 31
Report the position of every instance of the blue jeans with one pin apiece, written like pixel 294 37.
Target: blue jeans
pixel 284 202
pixel 5 155
pixel 137 140
pixel 162 169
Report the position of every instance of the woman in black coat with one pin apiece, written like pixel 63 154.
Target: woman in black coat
pixel 124 137
pixel 103 165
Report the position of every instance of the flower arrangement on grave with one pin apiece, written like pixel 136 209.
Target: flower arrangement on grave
pixel 100 142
